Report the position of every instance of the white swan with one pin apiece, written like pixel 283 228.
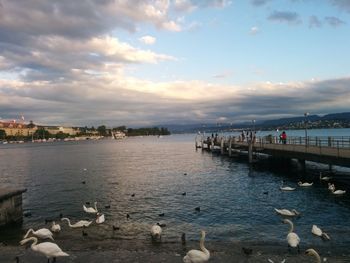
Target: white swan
pixel 156 232
pixel 325 178
pixel 81 223
pixel 100 218
pixel 90 210
pixel 338 192
pixel 286 212
pixel 292 238
pixel 312 252
pixel 286 188
pixel 271 261
pixel 50 250
pixel 55 227
pixel 42 233
pixel 305 184
pixel 198 256
pixel 318 232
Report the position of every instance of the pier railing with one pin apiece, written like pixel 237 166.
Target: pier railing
pixel 319 141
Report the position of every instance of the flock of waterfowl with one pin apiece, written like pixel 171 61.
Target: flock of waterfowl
pixel 52 250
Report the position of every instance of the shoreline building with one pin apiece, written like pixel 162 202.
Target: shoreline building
pixel 18 129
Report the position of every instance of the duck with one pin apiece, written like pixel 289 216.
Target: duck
pixel 156 232
pixel 90 210
pixel 49 249
pixel 42 233
pixel 324 178
pixel 318 232
pixel 292 238
pixel 305 184
pixel 312 252
pixel 81 223
pixel 331 187
pixel 100 218
pixel 286 212
pixel 55 227
pixel 198 256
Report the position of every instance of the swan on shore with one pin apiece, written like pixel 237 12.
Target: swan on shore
pixel 318 232
pixel 50 250
pixel 55 227
pixel 42 233
pixel 305 184
pixel 90 210
pixel 286 212
pixel 292 238
pixel 100 218
pixel 156 232
pixel 198 256
pixel 81 223
pixel 312 252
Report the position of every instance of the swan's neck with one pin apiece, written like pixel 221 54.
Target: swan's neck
pixel 202 247
pixel 96 206
pixel 67 219
pixel 28 232
pixel 35 241
pixel 317 256
pixel 291 226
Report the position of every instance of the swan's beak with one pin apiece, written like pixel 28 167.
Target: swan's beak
pixel 22 242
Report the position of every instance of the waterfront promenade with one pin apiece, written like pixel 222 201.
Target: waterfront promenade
pixel 327 150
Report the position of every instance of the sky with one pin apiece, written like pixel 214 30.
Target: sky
pixel 145 63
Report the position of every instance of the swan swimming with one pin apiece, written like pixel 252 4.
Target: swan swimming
pixel 90 210
pixel 100 218
pixel 318 232
pixel 55 227
pixel 42 233
pixel 325 178
pixel 331 187
pixel 286 188
pixel 292 238
pixel 338 192
pixel 305 184
pixel 50 250
pixel 198 256
pixel 286 212
pixel 81 223
pixel 156 232
pixel 312 252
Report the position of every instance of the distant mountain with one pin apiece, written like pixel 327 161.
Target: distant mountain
pixel 276 123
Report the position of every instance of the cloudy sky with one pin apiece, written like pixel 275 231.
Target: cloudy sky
pixel 144 62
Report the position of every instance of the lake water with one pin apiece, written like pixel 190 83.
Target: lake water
pixel 231 194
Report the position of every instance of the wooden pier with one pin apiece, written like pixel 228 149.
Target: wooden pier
pixel 326 150
pixel 10 205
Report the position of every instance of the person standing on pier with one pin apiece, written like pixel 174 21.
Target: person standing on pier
pixel 284 137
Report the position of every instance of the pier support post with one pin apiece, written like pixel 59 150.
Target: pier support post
pixel 330 166
pixel 230 147
pixel 250 151
pixel 202 142
pixel 222 148
pixel 302 164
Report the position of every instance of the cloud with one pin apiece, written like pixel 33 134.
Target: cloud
pixel 254 30
pixel 223 75
pixel 334 21
pixel 285 17
pixel 184 6
pixel 148 40
pixel 341 4
pixel 259 2
pixel 314 22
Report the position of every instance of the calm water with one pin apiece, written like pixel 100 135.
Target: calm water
pixel 229 192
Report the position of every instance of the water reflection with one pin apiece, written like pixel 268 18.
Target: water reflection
pixel 236 201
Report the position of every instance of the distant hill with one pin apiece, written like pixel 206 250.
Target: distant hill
pixel 291 123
